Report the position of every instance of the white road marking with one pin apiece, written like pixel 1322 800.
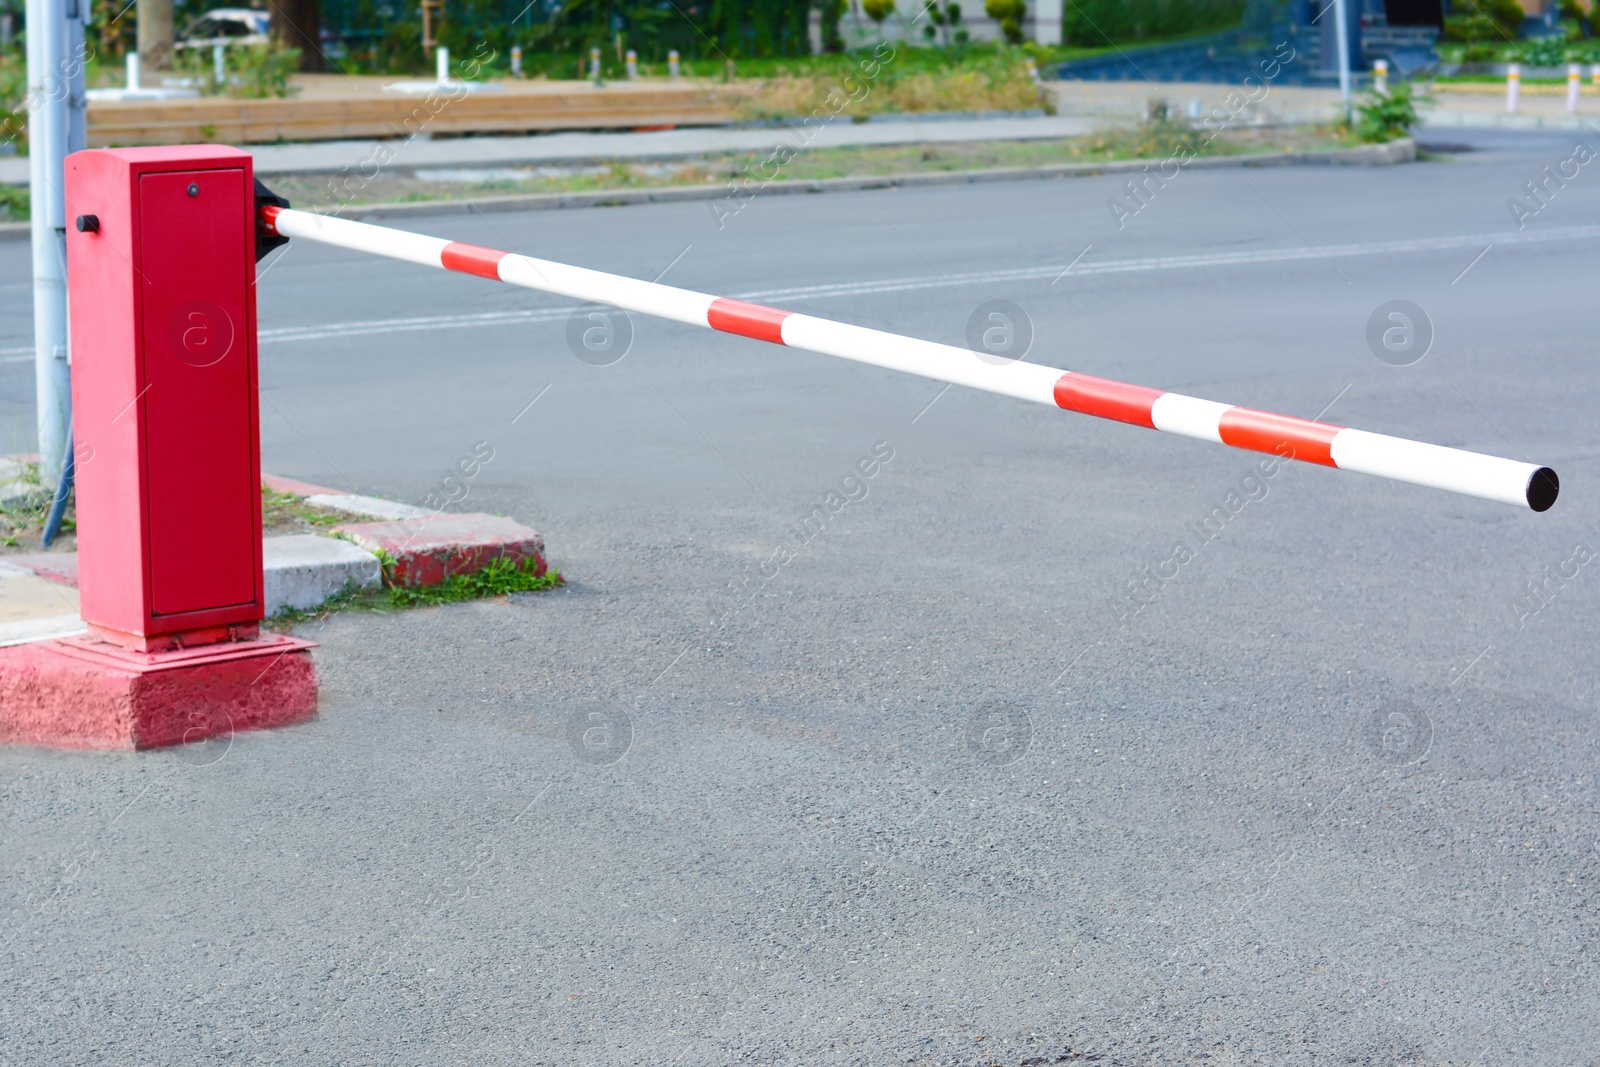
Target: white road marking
pixel 289 334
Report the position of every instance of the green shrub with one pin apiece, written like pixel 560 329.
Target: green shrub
pixel 1485 20
pixel 14 203
pixel 1096 23
pixel 263 71
pixel 13 100
pixel 1470 28
pixel 1507 15
pixel 1388 116
pixel 252 72
pixel 1009 14
pixel 878 10
pixel 1544 52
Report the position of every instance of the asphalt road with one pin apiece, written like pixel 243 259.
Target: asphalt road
pixel 937 791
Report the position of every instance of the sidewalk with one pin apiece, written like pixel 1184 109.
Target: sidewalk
pixel 326 157
pixel 1456 105
pixel 1082 107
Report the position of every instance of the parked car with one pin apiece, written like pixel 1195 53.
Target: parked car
pixel 245 26
pixel 235 25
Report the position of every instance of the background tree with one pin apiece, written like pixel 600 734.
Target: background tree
pixel 878 10
pixel 1009 14
pixel 945 23
pixel 155 34
pixel 296 24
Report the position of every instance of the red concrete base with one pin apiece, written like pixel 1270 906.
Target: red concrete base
pixel 428 550
pixel 82 693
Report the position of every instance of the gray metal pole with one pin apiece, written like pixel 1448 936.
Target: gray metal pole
pixel 77 60
pixel 1344 55
pixel 55 121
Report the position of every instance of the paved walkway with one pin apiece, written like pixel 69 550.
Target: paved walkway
pixel 663 144
pixel 1082 106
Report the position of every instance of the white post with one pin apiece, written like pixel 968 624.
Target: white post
pixel 672 65
pixel 516 61
pixel 219 66
pixel 55 127
pixel 1594 75
pixel 1344 56
pixel 133 69
pixel 1380 77
pixel 633 65
pixel 441 60
pixel 1574 83
pixel 1046 21
pixel 594 65
pixel 1513 85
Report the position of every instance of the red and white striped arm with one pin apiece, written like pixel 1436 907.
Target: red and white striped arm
pixel 1471 473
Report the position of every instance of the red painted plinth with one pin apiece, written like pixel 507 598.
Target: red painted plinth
pixel 428 550
pixel 82 693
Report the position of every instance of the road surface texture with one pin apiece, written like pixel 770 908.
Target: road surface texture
pixel 942 788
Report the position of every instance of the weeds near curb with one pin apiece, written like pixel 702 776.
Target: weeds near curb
pixel 500 578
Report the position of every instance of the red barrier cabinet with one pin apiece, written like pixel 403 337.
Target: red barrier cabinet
pixel 161 256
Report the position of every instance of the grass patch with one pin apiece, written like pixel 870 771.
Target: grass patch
pixel 1447 80
pixel 913 80
pixel 22 516
pixel 500 578
pixel 23 513
pixel 14 204
pixel 285 513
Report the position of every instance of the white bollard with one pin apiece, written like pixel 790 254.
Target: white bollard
pixel 672 65
pixel 441 61
pixel 1513 86
pixel 516 61
pixel 1594 75
pixel 1574 83
pixel 219 65
pixel 594 65
pixel 1380 77
pixel 133 71
pixel 633 65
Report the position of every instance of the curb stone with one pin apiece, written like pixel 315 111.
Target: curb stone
pixel 301 571
pixel 1401 151
pixel 427 546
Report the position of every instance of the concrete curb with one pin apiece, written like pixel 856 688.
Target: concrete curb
pixel 1482 120
pixel 425 547
pixel 425 551
pixel 1402 151
pixel 302 571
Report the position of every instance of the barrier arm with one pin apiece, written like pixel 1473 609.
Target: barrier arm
pixel 1471 473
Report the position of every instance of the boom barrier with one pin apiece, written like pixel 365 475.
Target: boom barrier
pixel 1456 470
